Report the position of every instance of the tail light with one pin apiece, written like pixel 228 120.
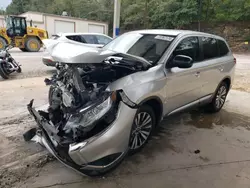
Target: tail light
pixel 235 60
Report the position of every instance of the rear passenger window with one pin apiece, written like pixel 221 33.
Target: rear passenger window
pixel 189 47
pixel 76 38
pixel 210 49
pixel 90 39
pixel 223 49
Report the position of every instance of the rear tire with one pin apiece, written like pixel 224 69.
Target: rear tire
pixel 32 44
pixel 3 72
pixel 219 98
pixel 142 128
pixel 3 43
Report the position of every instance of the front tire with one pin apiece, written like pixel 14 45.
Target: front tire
pixel 3 43
pixel 3 71
pixel 219 98
pixel 142 128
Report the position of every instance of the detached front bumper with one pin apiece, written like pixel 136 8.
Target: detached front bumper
pixel 96 154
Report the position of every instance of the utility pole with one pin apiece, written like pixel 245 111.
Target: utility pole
pixel 146 15
pixel 199 16
pixel 116 24
pixel 22 11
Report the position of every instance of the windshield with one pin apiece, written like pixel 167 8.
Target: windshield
pixel 8 23
pixel 149 46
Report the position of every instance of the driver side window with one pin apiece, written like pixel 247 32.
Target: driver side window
pixel 188 47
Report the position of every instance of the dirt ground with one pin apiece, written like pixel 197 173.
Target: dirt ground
pixel 191 149
pixel 242 73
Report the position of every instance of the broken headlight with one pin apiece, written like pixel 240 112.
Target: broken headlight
pixel 96 113
pixel 89 115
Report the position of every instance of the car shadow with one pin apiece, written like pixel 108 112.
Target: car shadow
pixel 173 129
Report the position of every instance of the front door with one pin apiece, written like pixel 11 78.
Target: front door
pixel 183 86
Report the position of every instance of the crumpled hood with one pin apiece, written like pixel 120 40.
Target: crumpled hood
pixel 66 52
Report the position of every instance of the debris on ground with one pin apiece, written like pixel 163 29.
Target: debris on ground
pixel 197 151
pixel 43 160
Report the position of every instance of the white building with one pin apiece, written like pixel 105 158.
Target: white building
pixel 56 23
pixel 2 23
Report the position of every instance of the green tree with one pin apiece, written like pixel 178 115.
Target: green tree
pixel 137 14
pixel 2 12
pixel 174 13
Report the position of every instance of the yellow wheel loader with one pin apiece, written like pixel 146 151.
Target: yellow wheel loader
pixel 18 34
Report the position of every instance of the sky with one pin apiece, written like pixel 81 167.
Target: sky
pixel 4 3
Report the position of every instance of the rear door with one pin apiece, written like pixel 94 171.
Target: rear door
pixel 215 57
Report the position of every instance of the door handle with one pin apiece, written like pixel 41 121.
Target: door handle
pixel 197 74
pixel 221 69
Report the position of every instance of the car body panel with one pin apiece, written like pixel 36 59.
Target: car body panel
pixel 62 37
pixel 66 52
pixel 188 90
pixel 103 145
pixel 214 71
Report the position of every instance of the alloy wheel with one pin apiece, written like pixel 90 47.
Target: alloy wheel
pixel 142 128
pixel 221 97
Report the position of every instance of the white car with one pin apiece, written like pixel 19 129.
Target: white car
pixel 96 40
pixel 88 39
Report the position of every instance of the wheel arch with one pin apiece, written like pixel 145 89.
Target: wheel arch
pixel 227 80
pixel 157 106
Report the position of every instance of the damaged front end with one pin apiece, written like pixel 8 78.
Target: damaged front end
pixel 84 118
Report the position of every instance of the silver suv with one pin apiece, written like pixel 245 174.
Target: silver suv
pixel 105 103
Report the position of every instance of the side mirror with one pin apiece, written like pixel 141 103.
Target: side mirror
pixel 182 61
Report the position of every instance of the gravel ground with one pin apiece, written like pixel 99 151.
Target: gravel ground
pixel 242 73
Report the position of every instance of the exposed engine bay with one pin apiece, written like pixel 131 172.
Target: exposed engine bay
pixel 80 105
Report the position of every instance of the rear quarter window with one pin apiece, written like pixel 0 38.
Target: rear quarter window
pixel 102 39
pixel 90 39
pixel 76 38
pixel 223 49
